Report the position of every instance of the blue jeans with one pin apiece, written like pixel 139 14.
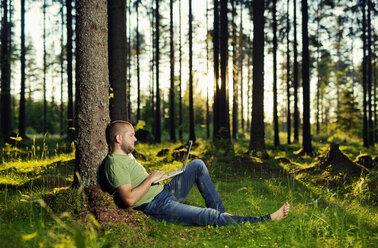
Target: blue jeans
pixel 167 205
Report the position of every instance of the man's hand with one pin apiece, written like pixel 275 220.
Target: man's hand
pixel 156 175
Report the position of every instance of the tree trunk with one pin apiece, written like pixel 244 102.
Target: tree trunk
pixel 21 123
pixel 364 79
pixel 137 57
pixel 275 115
pixel 288 117
pixel 44 70
pixel 241 57
pixel 61 72
pixel 257 140
pixel 192 135
pixel 369 75
pixel 70 107
pixel 307 146
pixel 172 126
pixel 157 50
pixel 207 73
pixel 216 70
pixel 128 76
pixel 222 98
pixel 117 59
pixel 235 71
pixel 295 80
pixel 180 76
pixel 5 74
pixel 318 71
pixel 249 83
pixel 92 113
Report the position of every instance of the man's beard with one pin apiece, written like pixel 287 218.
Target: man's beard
pixel 127 148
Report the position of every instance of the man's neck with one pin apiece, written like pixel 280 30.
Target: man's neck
pixel 118 151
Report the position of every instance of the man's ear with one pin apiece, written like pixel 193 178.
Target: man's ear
pixel 118 138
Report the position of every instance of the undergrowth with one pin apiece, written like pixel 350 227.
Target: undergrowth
pixel 35 212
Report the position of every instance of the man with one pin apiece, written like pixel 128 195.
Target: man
pixel 136 187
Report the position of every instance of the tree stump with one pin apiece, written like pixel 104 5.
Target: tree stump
pixel 337 161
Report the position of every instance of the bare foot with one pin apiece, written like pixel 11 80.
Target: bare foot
pixel 281 213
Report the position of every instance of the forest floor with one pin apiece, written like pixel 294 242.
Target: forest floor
pixel 331 205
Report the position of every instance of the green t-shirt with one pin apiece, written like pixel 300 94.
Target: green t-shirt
pixel 124 169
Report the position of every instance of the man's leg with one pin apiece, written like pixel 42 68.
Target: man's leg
pixel 165 208
pixel 196 172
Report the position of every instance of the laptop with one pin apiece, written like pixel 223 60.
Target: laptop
pixel 178 171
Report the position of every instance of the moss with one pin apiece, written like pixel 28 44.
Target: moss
pixel 69 200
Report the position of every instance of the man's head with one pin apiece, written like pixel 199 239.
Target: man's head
pixel 120 137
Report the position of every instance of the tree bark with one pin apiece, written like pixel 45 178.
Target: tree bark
pixel 117 59
pixel 92 113
pixel 257 140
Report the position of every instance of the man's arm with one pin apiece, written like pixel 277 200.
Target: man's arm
pixel 131 195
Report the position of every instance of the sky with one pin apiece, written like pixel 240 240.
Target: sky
pixel 34 29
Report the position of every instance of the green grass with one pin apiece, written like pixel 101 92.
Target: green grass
pixel 319 217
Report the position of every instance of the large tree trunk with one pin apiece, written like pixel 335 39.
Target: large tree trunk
pixel 21 122
pixel 275 115
pixel 192 134
pixel 70 106
pixel 172 126
pixel 92 113
pixel 117 58
pixel 257 140
pixel 307 146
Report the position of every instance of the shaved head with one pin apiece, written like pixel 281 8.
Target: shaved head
pixel 116 128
